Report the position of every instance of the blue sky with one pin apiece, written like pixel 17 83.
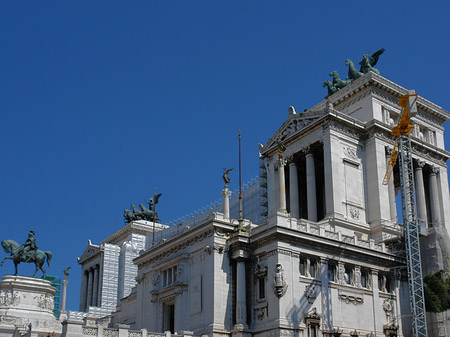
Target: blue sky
pixel 102 101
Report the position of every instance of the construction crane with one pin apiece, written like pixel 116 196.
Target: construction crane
pixel 402 151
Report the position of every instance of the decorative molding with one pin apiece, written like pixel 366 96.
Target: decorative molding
pixel 353 298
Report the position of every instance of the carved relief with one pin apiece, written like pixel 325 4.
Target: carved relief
pixel 44 301
pixel 352 298
pixel 341 273
pixel 156 279
pixel 311 293
pixel 355 213
pixel 9 298
pixel 350 153
pixel 261 312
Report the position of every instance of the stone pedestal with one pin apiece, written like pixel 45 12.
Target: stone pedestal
pixel 26 303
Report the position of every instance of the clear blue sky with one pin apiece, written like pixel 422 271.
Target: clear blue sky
pixel 101 101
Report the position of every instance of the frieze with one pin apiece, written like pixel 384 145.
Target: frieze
pixel 88 331
pixel 175 249
pixel 110 333
pixel 9 298
pixel 282 252
pixel 44 301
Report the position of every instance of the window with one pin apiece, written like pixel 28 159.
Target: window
pixel 331 272
pixel 313 268
pixel 348 275
pixel 261 288
pixel 364 278
pixel 169 276
pixel 302 266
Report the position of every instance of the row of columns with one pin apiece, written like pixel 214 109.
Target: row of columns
pixel 90 288
pixel 293 186
pixel 435 209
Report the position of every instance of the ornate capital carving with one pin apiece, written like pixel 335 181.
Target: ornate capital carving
pixel 420 164
pixel 434 170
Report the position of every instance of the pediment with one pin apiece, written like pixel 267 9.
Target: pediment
pixel 89 252
pixel 293 125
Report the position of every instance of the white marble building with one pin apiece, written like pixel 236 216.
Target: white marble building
pixel 318 261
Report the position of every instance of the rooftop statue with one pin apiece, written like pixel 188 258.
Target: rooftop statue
pixel 331 88
pixel 28 253
pixel 367 64
pixel 225 176
pixel 143 214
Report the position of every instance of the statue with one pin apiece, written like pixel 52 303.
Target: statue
pixel 144 213
pixel 331 88
pixel 225 176
pixel 337 82
pixel 28 253
pixel 372 60
pixel 387 307
pixel 353 74
pixel 366 66
pixel 279 284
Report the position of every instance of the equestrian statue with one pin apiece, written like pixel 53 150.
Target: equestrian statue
pixel 27 253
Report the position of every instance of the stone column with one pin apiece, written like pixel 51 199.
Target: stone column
pixel 391 191
pixel 376 299
pixel 226 193
pixel 89 290
pixel 293 190
pixel 95 287
pixel 83 292
pixel 281 185
pixel 62 312
pixel 325 294
pixel 241 305
pixel 434 198
pixel 311 186
pixel 420 192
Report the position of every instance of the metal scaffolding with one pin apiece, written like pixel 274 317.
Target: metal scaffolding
pixel 411 235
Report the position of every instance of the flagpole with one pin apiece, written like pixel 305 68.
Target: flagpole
pixel 240 219
pixel 154 215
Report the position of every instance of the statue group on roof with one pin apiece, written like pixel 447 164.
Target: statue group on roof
pixel 148 214
pixel 366 65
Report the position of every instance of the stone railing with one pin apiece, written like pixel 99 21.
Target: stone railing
pixel 122 330
pixel 318 229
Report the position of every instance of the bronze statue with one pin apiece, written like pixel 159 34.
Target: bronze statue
pixel 372 60
pixel 337 82
pixel 28 253
pixel 367 64
pixel 143 214
pixel 331 88
pixel 353 73
pixel 225 176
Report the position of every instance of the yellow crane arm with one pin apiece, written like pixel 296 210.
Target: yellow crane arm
pixel 408 103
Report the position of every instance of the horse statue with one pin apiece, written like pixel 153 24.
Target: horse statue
pixel 331 88
pixel 353 73
pixel 138 215
pixel 366 65
pixel 13 248
pixel 128 215
pixel 337 82
pixel 148 213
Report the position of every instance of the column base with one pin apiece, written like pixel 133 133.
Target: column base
pixel 240 330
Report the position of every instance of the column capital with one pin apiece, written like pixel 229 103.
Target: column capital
pixel 420 164
pixel 434 170
pixel 290 160
pixel 323 260
pixel 281 162
pixel 226 192
pixel 307 150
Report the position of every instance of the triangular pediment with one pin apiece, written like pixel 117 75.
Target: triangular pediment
pixel 293 125
pixel 89 252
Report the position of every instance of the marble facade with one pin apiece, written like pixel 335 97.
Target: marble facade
pixel 320 260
